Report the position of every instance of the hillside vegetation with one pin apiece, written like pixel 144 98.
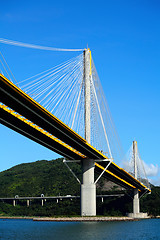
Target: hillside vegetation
pixel 52 178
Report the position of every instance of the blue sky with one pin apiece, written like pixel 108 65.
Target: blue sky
pixel 124 37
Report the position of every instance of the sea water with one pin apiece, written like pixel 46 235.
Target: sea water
pixel 14 229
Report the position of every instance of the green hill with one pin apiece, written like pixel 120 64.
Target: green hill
pixel 32 179
pixel 52 178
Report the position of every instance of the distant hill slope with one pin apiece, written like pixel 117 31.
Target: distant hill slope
pixel 48 177
pixel 32 179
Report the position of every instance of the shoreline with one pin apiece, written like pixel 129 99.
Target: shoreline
pixel 84 219
pixel 9 217
pixel 72 219
pixel 77 219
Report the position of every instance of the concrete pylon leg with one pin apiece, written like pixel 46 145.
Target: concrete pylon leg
pixel 88 189
pixel 28 203
pixel 88 201
pixel 136 201
pixel 14 203
pixel 136 194
pixel 136 208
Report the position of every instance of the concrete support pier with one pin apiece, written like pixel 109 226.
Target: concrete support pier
pixel 88 190
pixel 136 202
pixel 28 202
pixel 136 205
pixel 14 203
pixel 88 187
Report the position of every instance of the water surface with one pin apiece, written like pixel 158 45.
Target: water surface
pixel 27 229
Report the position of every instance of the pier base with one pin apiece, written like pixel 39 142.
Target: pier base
pixel 137 215
pixel 136 207
pixel 88 189
pixel 136 204
pixel 88 200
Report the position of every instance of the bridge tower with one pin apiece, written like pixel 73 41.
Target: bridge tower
pixel 136 199
pixel 88 186
pixel 136 205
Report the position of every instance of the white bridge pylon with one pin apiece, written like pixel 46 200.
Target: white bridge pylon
pixel 88 186
pixel 136 168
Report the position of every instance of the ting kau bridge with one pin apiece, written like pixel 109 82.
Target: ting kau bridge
pixel 65 110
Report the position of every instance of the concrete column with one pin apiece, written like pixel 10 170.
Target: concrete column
pixel 14 203
pixel 28 202
pixel 88 187
pixel 136 204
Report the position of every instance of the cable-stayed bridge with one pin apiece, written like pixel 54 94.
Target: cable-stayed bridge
pixel 79 133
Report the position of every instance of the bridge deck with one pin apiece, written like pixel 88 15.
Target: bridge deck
pixel 44 128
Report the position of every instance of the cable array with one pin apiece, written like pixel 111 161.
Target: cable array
pixel 129 166
pixel 104 135
pixel 5 70
pixel 60 91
